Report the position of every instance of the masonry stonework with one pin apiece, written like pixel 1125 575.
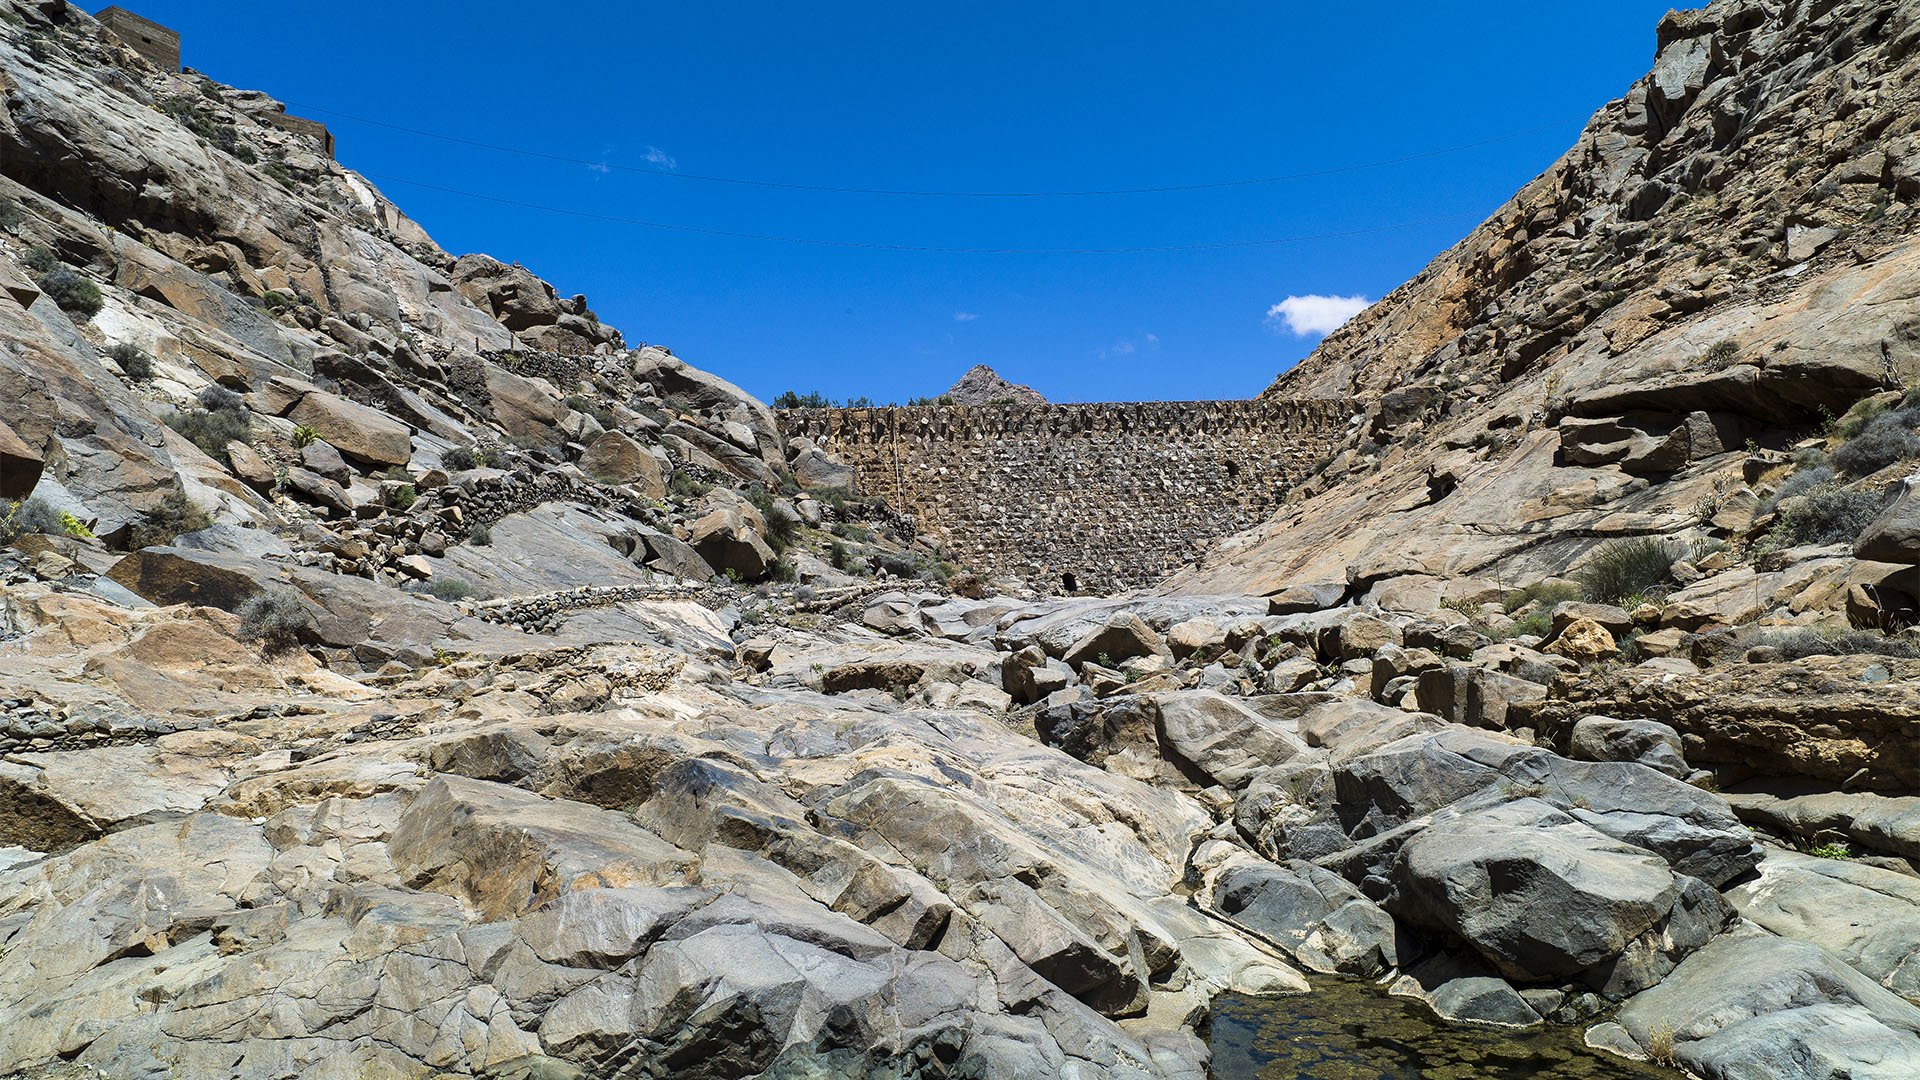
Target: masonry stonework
pixel 1075 498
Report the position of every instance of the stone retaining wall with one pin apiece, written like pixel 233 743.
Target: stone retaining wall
pixel 1081 497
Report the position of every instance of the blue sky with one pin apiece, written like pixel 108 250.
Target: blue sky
pixel 986 96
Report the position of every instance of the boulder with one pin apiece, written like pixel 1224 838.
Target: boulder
pixel 726 542
pixel 322 458
pixel 250 467
pixel 1613 620
pixel 1866 916
pixel 365 434
pixel 1894 536
pixel 1193 635
pixel 527 408
pixel 1121 639
pixel 1223 739
pixel 617 459
pixel 1322 920
pixel 20 465
pixel 1646 742
pixel 1583 641
pixel 1754 1005
pixel 814 469
pixel 1300 599
pixel 1540 896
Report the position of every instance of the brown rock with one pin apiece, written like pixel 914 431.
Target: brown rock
pixel 251 468
pixel 619 460
pixel 1583 641
pixel 354 429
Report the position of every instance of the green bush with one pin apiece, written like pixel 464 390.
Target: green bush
pixel 133 360
pixel 73 293
pixel 217 398
pixel 404 497
pixel 164 523
pixel 479 535
pixel 451 589
pixel 1545 593
pixel 10 213
pixel 459 459
pixel 1827 514
pixel 1620 568
pixel 211 429
pixel 781 529
pixel 810 400
pixel 30 516
pixel 40 259
pixel 683 485
pixel 1883 440
pixel 274 618
pixel 842 558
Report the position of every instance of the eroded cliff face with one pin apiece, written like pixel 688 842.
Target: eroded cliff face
pixel 1722 265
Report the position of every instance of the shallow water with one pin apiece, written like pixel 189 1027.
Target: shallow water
pixel 1351 1030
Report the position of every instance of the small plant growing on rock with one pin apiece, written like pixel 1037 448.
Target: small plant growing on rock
pixel 133 360
pixel 274 618
pixel 1798 644
pixel 1659 1045
pixel 479 535
pixel 40 259
pixel 10 214
pixel 212 426
pixel 404 497
pixel 459 459
pixel 164 523
pixel 73 526
pixel 74 294
pixel 1621 568
pixel 304 436
pixel 452 589
pixel 1722 354
pixel 276 301
pixel 1835 850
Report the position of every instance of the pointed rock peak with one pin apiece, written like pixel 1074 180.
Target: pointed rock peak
pixel 982 385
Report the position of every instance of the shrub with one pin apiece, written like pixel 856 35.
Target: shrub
pixel 1885 439
pixel 600 413
pixel 73 293
pixel 217 398
pixel 211 429
pixel 30 516
pixel 275 618
pixel 479 535
pixel 1798 644
pixel 276 300
pixel 1722 355
pixel 1798 484
pixel 40 259
pixel 404 497
pixel 781 529
pixel 1827 514
pixel 1621 568
pixel 304 436
pixel 133 360
pixel 10 213
pixel 841 557
pixel 458 459
pixel 451 589
pixel 1545 593
pixel 73 526
pixel 811 400
pixel 164 523
pixel 683 484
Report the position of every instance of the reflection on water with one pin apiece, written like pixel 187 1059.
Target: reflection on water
pixel 1350 1030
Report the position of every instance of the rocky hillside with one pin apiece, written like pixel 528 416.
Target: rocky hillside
pixel 982 385
pixel 1664 335
pixel 404 674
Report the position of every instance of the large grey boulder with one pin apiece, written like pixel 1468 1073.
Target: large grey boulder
pixel 1124 638
pixel 1757 1006
pixel 1322 920
pixel 1223 739
pixel 1867 916
pixel 1646 742
pixel 1540 896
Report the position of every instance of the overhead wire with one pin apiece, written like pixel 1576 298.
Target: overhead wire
pixel 923 249
pixel 909 192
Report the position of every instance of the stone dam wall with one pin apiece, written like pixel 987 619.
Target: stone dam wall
pixel 1080 498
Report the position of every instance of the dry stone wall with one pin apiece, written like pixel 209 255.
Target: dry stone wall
pixel 1081 497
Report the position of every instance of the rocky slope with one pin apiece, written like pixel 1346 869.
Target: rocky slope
pixel 405 677
pixel 982 385
pixel 1722 266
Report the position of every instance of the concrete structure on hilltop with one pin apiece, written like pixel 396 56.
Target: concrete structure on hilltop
pixel 158 44
pixel 1075 498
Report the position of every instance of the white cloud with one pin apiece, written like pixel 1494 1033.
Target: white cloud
pixel 1314 314
pixel 657 156
pixel 964 316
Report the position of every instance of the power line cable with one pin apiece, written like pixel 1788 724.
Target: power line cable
pixel 1212 246
pixel 746 182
